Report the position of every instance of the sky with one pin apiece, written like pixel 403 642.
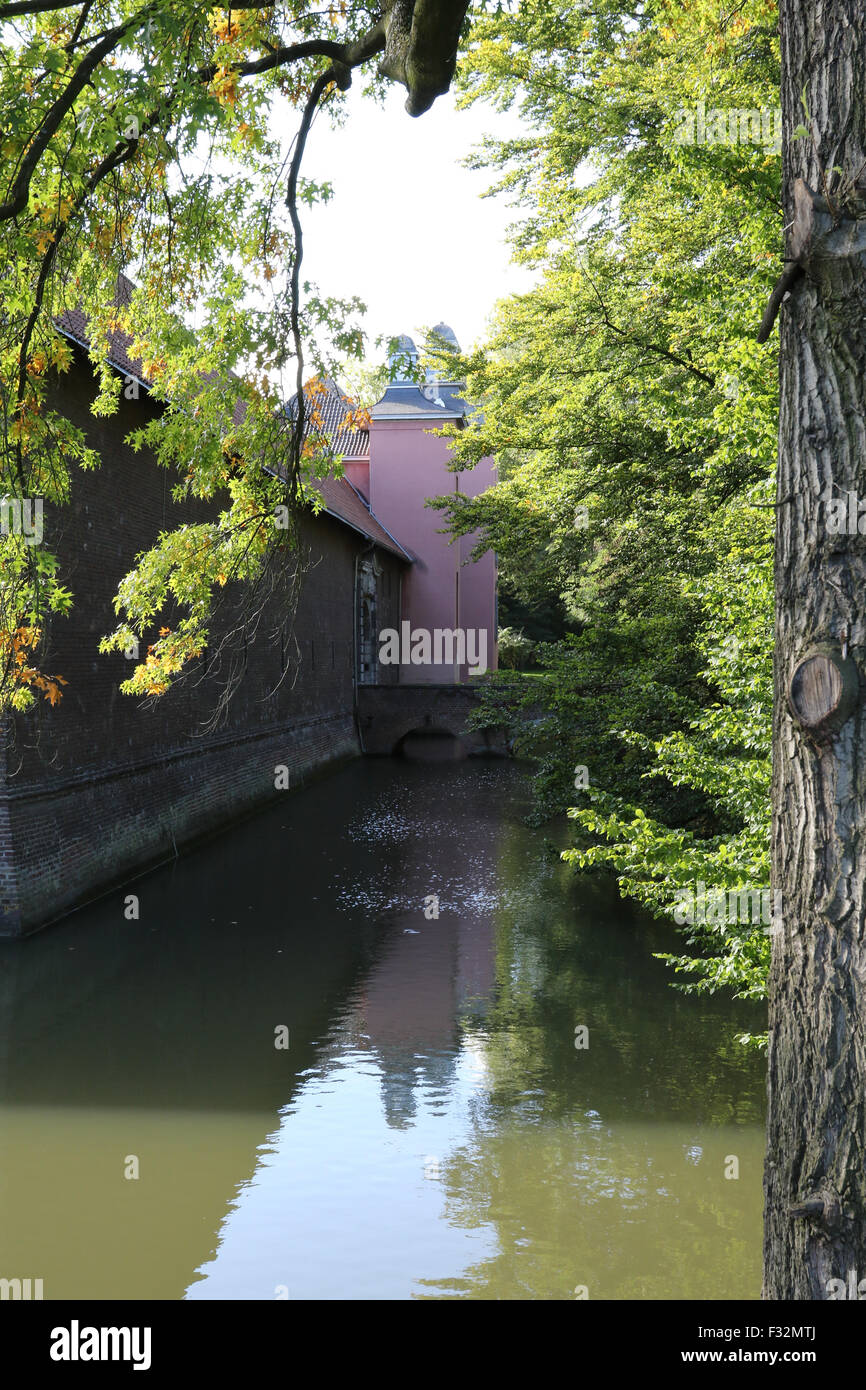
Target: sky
pixel 408 230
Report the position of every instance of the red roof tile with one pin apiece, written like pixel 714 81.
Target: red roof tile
pixel 347 504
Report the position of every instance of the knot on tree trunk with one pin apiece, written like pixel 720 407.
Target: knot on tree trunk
pixel 823 1207
pixel 826 226
pixel 824 690
pixel 421 39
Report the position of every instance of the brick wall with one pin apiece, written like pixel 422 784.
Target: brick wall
pixel 100 787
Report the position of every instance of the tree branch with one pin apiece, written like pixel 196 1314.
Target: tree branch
pixel 319 88
pixel 80 23
pixel 341 55
pixel 17 200
pixel 783 286
pixel 421 41
pixel 654 347
pixel 20 7
pixel 112 161
pixel 311 48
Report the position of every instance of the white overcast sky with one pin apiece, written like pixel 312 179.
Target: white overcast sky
pixel 407 230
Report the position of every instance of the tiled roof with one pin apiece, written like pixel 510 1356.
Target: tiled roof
pixel 74 324
pixel 341 499
pixel 327 409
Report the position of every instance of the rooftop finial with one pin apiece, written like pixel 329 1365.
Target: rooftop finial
pixel 446 336
pixel 403 358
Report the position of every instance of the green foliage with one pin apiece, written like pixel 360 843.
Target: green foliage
pixel 140 140
pixel 634 416
pixel 515 649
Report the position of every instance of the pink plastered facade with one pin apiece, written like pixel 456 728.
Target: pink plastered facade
pixel 442 588
pixel 395 458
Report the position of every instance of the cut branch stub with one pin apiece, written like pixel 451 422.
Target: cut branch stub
pixel 824 690
pixel 818 232
pixel 824 233
pixel 812 220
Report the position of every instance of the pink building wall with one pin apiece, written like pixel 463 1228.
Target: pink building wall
pixel 408 464
pixel 358 472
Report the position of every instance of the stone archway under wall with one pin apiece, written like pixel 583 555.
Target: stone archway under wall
pixel 429 743
pixel 389 714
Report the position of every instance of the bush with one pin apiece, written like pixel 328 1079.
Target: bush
pixel 515 649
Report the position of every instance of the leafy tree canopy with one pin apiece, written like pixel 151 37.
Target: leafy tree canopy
pixel 145 139
pixel 634 413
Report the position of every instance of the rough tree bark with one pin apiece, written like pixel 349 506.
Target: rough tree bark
pixel 815 1178
pixel 421 39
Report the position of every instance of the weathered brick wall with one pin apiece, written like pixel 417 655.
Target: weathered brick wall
pixel 100 787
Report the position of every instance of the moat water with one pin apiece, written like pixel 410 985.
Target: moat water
pixel 430 1130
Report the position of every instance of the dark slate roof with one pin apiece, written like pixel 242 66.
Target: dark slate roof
pixel 73 323
pixel 446 334
pixel 417 401
pixel 342 501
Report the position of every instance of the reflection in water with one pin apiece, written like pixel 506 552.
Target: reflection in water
pixel 432 1131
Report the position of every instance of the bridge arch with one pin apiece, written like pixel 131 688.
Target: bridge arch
pixel 432 742
pixel 388 715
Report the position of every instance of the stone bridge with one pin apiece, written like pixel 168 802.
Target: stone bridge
pixel 387 713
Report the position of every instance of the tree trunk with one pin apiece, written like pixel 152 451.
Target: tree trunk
pixel 815 1179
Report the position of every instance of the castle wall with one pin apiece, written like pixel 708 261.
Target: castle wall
pixel 100 787
pixel 443 589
